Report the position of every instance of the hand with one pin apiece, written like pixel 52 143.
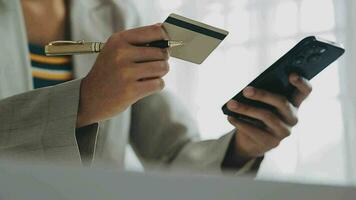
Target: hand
pixel 251 141
pixel 123 73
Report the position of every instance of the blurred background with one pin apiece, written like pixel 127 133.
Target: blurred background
pixel 322 147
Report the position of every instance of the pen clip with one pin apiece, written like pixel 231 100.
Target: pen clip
pixel 64 42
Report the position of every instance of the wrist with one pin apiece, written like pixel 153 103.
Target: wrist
pixel 233 157
pixel 240 157
pixel 85 115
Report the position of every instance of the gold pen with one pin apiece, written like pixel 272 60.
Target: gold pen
pixel 62 48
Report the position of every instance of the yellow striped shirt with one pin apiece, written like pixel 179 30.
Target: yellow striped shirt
pixel 48 71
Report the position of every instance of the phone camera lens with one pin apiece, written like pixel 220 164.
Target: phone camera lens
pixel 316 50
pixel 314 58
pixel 299 61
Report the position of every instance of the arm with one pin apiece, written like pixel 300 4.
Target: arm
pixel 162 132
pixel 40 125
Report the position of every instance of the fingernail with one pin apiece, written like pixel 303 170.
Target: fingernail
pixel 249 91
pixel 233 105
pixel 295 78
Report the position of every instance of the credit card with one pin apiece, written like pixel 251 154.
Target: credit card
pixel 199 39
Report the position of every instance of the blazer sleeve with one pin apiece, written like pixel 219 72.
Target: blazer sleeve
pixel 40 125
pixel 164 135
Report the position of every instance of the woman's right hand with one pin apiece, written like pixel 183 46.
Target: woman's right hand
pixel 124 72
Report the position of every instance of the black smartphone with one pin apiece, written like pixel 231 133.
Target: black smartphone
pixel 308 58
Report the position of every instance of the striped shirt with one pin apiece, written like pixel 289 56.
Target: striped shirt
pixel 48 71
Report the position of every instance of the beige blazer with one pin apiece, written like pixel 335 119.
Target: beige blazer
pixel 39 125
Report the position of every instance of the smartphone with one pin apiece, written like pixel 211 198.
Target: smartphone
pixel 308 58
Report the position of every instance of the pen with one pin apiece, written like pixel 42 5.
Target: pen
pixel 61 48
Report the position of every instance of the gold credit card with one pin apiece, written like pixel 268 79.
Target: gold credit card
pixel 199 39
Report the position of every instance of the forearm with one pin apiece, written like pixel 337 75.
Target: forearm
pixel 40 124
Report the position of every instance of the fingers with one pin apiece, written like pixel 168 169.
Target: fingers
pixel 148 87
pixel 255 141
pixel 147 54
pixel 304 88
pixel 281 103
pixel 264 140
pixel 149 70
pixel 278 128
pixel 144 35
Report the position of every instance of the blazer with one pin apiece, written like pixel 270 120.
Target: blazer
pixel 40 125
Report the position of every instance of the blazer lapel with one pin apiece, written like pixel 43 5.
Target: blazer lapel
pixel 15 62
pixel 90 21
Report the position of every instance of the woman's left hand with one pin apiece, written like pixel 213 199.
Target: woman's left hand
pixel 252 141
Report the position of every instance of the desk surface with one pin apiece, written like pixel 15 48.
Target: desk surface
pixel 28 182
